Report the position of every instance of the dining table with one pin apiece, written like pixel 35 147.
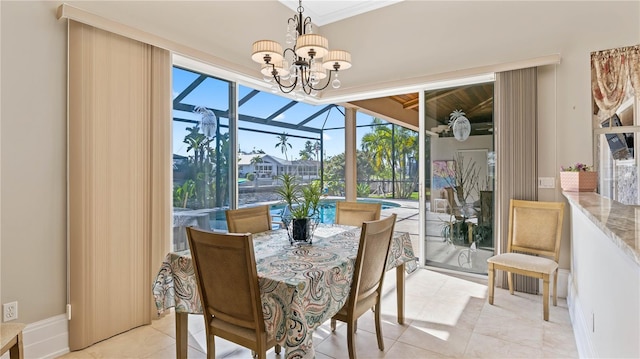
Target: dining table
pixel 301 285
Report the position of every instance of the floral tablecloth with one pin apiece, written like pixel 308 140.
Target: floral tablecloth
pixel 301 286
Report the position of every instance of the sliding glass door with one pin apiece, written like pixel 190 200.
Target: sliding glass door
pixel 459 177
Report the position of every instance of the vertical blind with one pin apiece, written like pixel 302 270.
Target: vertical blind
pixel 119 180
pixel 516 146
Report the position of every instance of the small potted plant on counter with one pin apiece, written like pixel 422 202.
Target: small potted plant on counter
pixel 578 178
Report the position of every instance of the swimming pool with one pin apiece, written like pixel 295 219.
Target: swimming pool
pixel 328 209
pixel 327 212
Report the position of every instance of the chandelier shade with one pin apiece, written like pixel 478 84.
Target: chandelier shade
pixel 312 46
pixel 339 57
pixel 300 68
pixel 266 48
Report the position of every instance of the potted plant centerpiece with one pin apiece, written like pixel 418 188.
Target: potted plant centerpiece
pixel 578 178
pixel 300 215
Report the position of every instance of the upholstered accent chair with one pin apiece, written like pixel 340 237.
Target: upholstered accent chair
pixel 227 278
pixel 354 213
pixel 533 246
pixel 366 286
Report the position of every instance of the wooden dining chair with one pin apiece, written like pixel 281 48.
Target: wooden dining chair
pixel 354 213
pixel 225 271
pixel 533 247
pixel 249 220
pixel 366 285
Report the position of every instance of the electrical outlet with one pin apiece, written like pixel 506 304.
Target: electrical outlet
pixel 10 311
pixel 546 182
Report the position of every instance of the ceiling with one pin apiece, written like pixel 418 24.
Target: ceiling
pixel 388 68
pixel 475 101
pixel 325 12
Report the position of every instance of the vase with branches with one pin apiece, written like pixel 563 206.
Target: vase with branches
pixel 463 178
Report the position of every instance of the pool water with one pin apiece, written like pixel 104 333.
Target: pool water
pixel 327 212
pixel 327 209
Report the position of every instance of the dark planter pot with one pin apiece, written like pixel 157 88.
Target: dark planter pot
pixel 300 229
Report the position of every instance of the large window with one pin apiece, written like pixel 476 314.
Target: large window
pixel 201 152
pixel 387 157
pixel 275 136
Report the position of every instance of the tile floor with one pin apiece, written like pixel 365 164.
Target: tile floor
pixel 447 316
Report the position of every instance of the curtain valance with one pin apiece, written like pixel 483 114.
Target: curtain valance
pixel 612 71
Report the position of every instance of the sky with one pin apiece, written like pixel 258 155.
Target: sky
pixel 214 93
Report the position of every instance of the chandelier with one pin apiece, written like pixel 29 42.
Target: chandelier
pixel 302 66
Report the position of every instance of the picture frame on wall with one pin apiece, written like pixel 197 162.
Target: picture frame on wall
pixel 443 175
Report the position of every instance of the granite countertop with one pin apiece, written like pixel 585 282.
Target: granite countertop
pixel 619 222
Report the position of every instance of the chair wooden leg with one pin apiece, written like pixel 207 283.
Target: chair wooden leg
pixel 333 325
pixel 555 289
pixel 510 281
pixel 492 275
pixel 182 325
pixel 400 292
pixel 211 346
pixel 545 297
pixel 277 349
pixel 350 342
pixel 379 326
pixel 491 282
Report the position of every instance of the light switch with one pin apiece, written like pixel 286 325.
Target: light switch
pixel 546 182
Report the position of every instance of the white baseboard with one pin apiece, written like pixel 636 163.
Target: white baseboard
pixel 46 339
pixel 581 327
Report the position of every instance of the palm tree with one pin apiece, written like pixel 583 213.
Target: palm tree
pixel 391 151
pixel 377 144
pixel 254 162
pixel 316 149
pixel 307 152
pixel 309 148
pixel 283 142
pixel 304 155
pixel 406 153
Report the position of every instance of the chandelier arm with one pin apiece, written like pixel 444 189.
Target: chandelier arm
pixel 284 88
pixel 305 81
pixel 307 21
pixel 325 85
pixel 293 51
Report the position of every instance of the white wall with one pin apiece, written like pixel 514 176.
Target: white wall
pixel 33 139
pixel 33 222
pixel 444 148
pixel 604 293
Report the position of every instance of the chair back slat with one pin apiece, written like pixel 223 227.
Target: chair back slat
pixel 375 240
pixel 225 269
pixel 249 220
pixel 355 213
